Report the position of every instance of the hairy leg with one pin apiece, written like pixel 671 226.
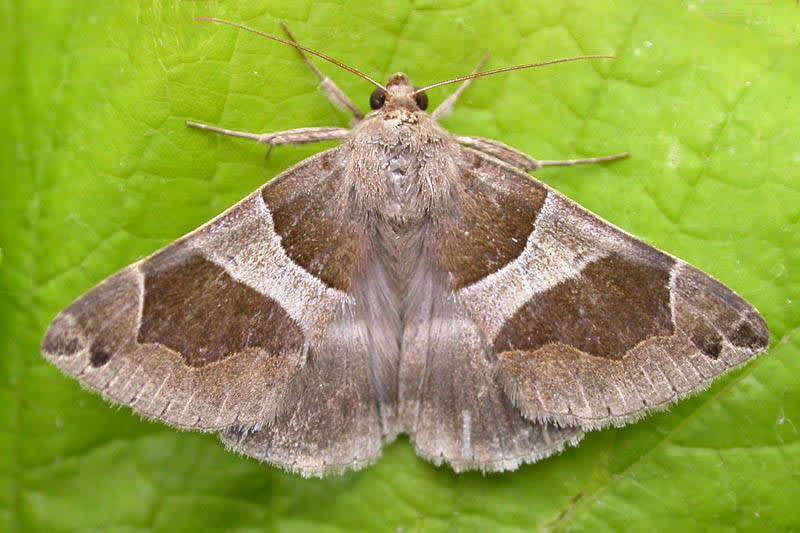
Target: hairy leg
pixel 525 162
pixel 445 108
pixel 296 136
pixel 335 95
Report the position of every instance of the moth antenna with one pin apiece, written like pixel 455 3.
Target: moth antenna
pixel 508 69
pixel 294 45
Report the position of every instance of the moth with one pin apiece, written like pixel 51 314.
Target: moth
pixel 406 281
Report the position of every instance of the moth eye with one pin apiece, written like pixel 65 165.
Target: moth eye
pixel 377 99
pixel 422 100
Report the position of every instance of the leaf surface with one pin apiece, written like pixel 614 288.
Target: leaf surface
pixel 99 170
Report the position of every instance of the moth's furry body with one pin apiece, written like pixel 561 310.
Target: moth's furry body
pixel 397 196
pixel 406 281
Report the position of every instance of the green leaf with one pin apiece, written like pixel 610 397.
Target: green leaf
pixel 98 170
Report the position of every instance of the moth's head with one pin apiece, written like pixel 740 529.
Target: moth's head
pixel 399 94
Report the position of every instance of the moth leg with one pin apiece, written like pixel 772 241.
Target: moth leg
pixel 445 108
pixel 296 136
pixel 525 162
pixel 335 95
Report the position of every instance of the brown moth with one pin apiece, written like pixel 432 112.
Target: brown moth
pixel 407 281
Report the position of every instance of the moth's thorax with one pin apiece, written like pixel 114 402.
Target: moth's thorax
pixel 400 161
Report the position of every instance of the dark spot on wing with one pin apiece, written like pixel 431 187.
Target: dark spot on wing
pixel 731 316
pixel 706 338
pixel 195 308
pixel 315 229
pixel 750 333
pixel 99 356
pixel 616 303
pixel 493 215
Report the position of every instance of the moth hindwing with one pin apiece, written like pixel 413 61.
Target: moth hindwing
pixel 406 281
